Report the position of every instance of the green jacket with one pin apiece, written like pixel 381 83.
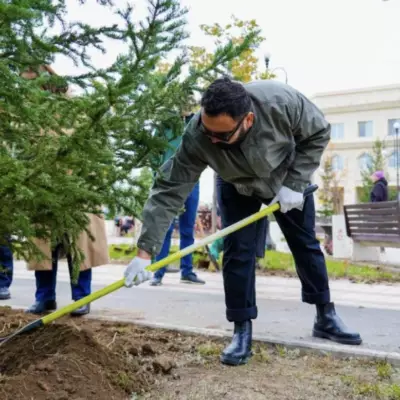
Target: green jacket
pixel 283 147
pixel 173 143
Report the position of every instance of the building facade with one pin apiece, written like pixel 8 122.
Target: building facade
pixel 359 117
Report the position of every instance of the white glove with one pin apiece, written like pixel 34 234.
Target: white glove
pixel 135 273
pixel 288 199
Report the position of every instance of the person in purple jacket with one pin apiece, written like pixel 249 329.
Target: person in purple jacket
pixel 379 191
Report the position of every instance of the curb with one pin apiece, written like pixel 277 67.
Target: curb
pixel 307 346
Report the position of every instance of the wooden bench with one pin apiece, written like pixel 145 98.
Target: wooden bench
pixel 374 224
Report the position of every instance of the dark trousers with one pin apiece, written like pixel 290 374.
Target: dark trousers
pixel 261 236
pixel 6 267
pixel 187 222
pixel 240 252
pixel 46 281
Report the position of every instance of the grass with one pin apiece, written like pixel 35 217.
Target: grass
pixel 125 253
pixel 281 350
pixel 122 252
pixel 381 388
pixel 384 370
pixel 209 349
pixel 365 379
pixel 123 380
pixel 261 354
pixel 277 263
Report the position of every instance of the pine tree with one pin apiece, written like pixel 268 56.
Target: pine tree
pixel 329 194
pixel 243 68
pixel 62 155
pixel 54 163
pixel 324 194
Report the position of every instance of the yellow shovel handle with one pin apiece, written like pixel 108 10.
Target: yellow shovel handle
pixel 168 260
pixel 160 264
pixel 209 239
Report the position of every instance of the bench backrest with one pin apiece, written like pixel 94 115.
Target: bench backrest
pixel 381 218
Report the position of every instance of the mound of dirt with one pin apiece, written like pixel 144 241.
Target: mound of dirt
pixel 65 362
pixel 89 359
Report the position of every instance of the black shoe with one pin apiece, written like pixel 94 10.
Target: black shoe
pixel 81 311
pixel 239 351
pixel 5 293
pixel 328 325
pixel 156 281
pixel 40 307
pixel 192 278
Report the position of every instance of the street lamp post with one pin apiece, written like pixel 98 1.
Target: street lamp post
pixel 396 127
pixel 267 58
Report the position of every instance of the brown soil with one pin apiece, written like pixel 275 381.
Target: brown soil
pixel 84 359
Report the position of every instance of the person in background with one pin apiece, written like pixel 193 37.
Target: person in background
pixel 379 191
pixel 127 226
pixel 6 272
pixel 96 254
pixel 187 222
pixel 118 224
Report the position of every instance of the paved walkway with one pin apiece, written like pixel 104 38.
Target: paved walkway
pixel 372 309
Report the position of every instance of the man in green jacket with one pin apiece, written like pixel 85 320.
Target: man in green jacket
pixel 265 140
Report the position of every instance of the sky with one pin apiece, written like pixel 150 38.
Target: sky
pixel 323 45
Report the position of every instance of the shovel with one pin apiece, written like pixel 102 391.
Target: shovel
pixel 47 319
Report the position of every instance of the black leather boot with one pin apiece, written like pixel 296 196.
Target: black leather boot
pixel 328 325
pixel 239 351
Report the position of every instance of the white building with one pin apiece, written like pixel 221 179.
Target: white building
pixel 358 118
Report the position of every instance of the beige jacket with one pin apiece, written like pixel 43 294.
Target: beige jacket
pixel 96 252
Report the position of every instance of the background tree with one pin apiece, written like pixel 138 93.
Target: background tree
pixel 65 156
pixel 243 68
pixel 330 194
pixel 378 163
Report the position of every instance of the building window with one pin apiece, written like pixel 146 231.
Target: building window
pixel 337 131
pixel 337 163
pixel 365 129
pixel 365 161
pixel 393 160
pixel 391 122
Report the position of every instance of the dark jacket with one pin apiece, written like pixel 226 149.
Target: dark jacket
pixel 379 191
pixel 283 147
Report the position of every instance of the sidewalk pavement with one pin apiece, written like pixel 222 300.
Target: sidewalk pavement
pixel 283 318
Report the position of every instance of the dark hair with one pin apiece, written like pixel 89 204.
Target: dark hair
pixel 225 96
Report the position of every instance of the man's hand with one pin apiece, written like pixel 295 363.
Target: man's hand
pixel 135 273
pixel 288 199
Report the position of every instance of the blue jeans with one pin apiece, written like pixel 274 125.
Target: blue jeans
pixel 7 267
pixel 187 222
pixel 46 281
pixel 240 252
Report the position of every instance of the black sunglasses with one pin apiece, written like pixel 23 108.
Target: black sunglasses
pixel 222 136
